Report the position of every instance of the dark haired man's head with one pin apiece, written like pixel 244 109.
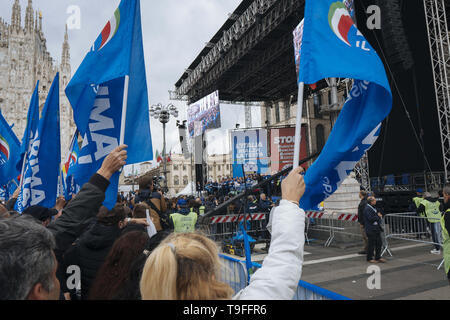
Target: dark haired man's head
pixel 140 211
pixel 114 217
pixel 146 183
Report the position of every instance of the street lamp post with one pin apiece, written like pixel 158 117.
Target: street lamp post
pixel 163 113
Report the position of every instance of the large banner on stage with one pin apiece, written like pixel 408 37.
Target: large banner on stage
pixel 282 145
pixel 204 114
pixel 250 150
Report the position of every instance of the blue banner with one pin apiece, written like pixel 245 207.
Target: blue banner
pixel 250 150
pixel 333 47
pixel 40 180
pixel 117 52
pixel 70 187
pixel 9 153
pixel 31 128
pixel 101 138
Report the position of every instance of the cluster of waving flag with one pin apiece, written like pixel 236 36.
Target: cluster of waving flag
pixel 109 97
pixel 108 94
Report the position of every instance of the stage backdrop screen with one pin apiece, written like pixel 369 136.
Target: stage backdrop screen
pixel 250 149
pixel 282 145
pixel 204 115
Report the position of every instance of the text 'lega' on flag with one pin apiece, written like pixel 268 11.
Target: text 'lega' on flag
pixel 96 93
pixel 40 179
pixel 332 46
pixel 9 153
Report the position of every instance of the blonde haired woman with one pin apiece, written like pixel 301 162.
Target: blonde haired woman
pixel 186 266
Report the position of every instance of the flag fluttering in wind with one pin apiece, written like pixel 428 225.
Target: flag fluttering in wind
pixel 31 128
pixel 42 170
pixel 332 46
pixel 108 94
pixel 9 153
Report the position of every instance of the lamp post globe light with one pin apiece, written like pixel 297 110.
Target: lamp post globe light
pixel 163 114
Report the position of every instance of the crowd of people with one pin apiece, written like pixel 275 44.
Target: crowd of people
pixel 143 248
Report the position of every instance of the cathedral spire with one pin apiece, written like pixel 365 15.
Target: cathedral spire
pixel 29 17
pixel 16 18
pixel 65 59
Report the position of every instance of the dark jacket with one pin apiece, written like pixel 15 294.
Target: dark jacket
pixel 372 222
pixel 362 205
pixel 79 213
pixel 90 252
pixel 265 206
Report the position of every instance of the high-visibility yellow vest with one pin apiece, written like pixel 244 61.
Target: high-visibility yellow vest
pixel 446 242
pixel 417 201
pixel 184 223
pixel 432 211
pixel 202 210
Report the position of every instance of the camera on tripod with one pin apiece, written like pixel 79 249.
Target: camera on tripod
pixel 157 184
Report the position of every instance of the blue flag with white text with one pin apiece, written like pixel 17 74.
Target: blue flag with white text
pixel 96 93
pixel 9 153
pixel 32 125
pixel 333 47
pixel 40 179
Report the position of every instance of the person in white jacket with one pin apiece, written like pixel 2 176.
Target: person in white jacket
pixel 187 266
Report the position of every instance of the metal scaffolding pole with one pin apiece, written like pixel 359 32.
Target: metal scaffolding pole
pixel 440 58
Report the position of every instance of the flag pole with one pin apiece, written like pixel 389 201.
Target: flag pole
pixel 124 110
pixel 298 126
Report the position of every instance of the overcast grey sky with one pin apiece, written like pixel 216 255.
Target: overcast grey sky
pixel 174 31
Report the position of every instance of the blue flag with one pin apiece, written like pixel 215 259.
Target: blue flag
pixel 40 180
pixel 32 125
pixel 9 153
pixel 96 93
pixel 333 47
pixel 70 187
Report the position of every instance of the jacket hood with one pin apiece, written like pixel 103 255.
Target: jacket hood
pixel 100 236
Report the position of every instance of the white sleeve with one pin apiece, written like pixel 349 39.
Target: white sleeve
pixel 282 269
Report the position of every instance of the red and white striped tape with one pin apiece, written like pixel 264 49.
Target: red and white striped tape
pixel 324 215
pixel 237 218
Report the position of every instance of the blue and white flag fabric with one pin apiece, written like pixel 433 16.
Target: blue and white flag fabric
pixel 96 93
pixel 9 153
pixel 333 47
pixel 70 187
pixel 40 179
pixel 31 128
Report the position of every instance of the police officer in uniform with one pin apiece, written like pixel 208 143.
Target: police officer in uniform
pixel 184 221
pixel 445 224
pixel 430 207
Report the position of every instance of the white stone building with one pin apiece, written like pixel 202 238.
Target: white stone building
pixel 24 60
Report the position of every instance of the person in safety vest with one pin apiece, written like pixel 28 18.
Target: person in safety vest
pixel 445 224
pixel 184 221
pixel 420 227
pixel 429 207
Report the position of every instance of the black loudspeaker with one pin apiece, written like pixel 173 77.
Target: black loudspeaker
pixel 396 46
pixel 199 180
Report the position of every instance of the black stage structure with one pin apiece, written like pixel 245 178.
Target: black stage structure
pixel 251 59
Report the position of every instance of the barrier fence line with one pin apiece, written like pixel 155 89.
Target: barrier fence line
pixel 411 227
pixel 237 279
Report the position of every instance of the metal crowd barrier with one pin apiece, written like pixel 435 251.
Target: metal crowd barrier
pixel 226 226
pixel 234 273
pixel 410 227
pixel 332 223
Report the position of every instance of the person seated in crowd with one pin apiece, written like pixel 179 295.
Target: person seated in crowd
pixel 169 271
